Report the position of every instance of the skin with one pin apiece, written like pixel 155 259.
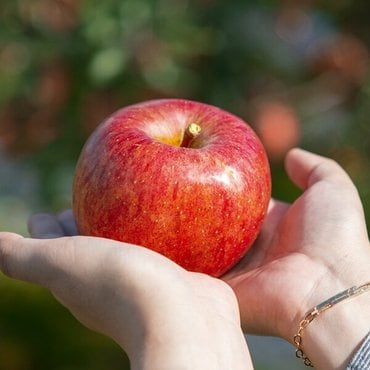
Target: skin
pixel 306 252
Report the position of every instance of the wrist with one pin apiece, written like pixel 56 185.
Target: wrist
pixel 333 336
pixel 331 339
pixel 190 335
pixel 192 343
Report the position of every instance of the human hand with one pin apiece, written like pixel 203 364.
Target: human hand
pixel 163 316
pixel 306 253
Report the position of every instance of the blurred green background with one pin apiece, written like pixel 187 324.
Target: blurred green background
pixel 297 71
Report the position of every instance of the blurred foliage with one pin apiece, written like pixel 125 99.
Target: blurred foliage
pixel 298 72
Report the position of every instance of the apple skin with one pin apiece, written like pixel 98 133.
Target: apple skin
pixel 201 205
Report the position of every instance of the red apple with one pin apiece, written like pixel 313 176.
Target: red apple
pixel 182 178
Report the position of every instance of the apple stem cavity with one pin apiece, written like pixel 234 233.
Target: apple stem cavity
pixel 192 131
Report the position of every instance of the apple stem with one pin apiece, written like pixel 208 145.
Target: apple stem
pixel 192 131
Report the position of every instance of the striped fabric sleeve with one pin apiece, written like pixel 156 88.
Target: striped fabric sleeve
pixel 361 360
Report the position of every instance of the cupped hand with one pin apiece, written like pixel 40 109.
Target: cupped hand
pixel 307 251
pixel 162 315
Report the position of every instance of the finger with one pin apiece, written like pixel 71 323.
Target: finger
pixel 44 226
pixel 305 169
pixel 276 210
pixel 67 222
pixel 255 255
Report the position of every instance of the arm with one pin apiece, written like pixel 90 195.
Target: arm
pixel 306 253
pixel 161 315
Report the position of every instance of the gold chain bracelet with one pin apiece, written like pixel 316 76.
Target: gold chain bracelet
pixel 317 310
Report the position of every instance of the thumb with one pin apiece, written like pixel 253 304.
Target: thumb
pixel 49 262
pixel 8 241
pixel 306 168
pixel 27 259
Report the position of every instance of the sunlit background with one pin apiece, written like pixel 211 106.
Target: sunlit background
pixel 297 71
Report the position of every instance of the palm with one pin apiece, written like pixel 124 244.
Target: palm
pixel 294 253
pixel 267 280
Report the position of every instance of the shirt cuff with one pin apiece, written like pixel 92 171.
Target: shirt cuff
pixel 361 360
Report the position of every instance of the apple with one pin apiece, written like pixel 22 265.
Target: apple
pixel 185 179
